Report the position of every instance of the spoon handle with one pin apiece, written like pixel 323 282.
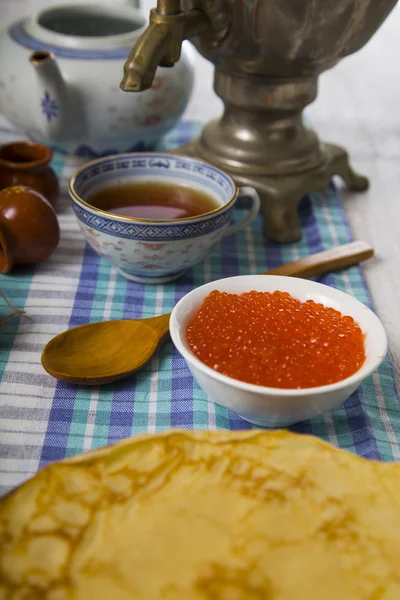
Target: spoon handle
pixel 309 266
pixel 161 324
pixel 329 260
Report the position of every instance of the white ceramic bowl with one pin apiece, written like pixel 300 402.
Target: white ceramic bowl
pixel 274 407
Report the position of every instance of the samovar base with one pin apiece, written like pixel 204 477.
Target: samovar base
pixel 280 194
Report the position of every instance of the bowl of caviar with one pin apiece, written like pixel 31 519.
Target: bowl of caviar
pixel 277 350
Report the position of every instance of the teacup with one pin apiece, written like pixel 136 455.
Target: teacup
pixel 148 250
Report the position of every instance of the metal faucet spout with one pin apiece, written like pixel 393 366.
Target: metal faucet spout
pixel 144 58
pixel 160 44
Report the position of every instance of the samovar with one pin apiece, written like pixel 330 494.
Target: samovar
pixel 268 55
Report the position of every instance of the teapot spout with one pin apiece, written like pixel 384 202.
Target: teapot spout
pixel 50 102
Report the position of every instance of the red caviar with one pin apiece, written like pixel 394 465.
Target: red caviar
pixel 273 339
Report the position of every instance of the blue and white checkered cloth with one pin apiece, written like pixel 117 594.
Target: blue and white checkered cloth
pixel 42 420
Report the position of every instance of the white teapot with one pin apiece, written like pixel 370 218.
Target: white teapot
pixel 59 81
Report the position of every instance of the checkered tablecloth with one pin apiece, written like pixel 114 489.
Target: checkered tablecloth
pixel 42 420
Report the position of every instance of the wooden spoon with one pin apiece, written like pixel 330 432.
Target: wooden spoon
pixel 100 353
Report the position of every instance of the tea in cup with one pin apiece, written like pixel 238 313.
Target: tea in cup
pixel 154 216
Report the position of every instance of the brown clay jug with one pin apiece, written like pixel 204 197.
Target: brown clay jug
pixel 29 230
pixel 27 163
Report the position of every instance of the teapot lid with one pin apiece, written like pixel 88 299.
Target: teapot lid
pixel 81 31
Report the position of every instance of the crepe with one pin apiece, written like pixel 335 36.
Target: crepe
pixel 205 515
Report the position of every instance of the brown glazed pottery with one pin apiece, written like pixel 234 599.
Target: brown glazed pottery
pixel 27 163
pixel 29 230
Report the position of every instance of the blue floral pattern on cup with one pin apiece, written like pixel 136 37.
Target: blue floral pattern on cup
pixel 152 231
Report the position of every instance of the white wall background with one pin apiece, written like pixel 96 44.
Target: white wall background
pixel 204 103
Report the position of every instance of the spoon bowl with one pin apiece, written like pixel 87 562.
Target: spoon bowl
pixel 104 352
pixel 100 353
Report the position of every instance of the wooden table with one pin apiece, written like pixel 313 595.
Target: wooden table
pixel 359 107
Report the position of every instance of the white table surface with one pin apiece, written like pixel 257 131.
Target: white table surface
pixel 359 107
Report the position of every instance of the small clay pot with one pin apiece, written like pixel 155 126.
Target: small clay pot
pixel 27 163
pixel 29 230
